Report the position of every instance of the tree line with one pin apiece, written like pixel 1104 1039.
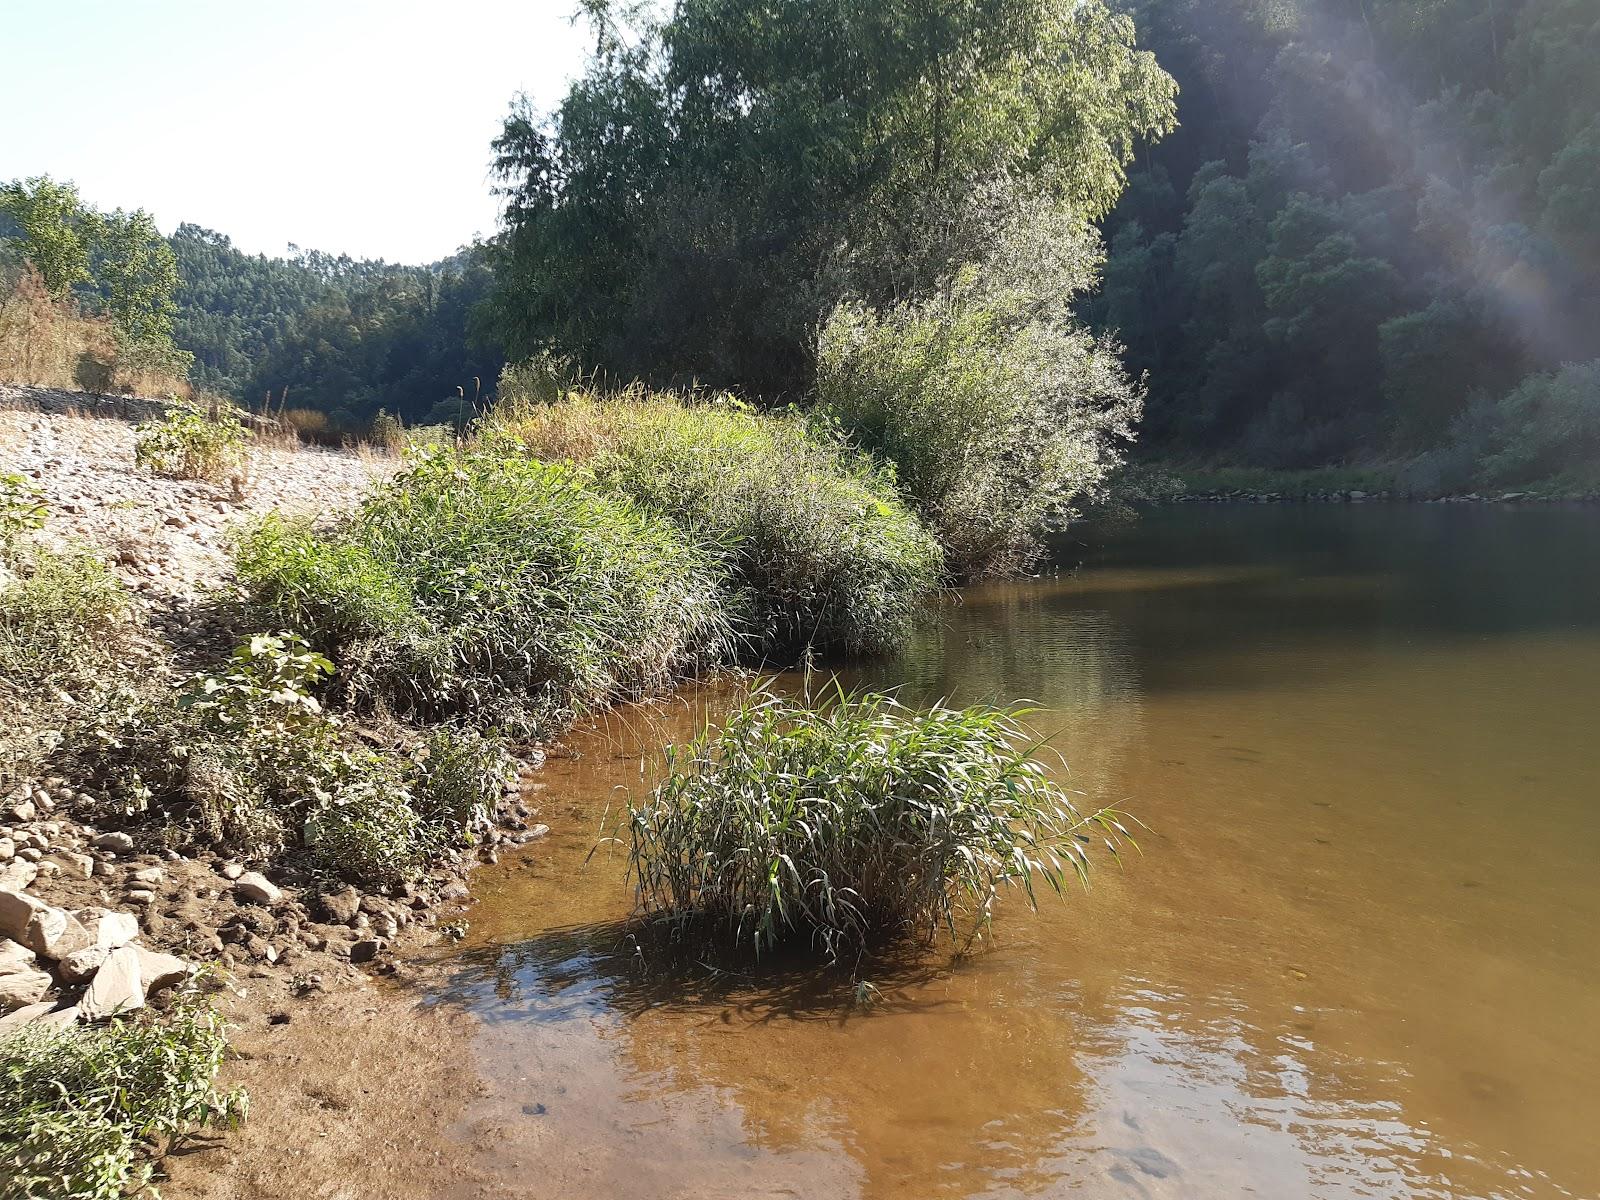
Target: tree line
pixel 1314 231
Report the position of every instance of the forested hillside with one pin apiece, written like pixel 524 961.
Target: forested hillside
pixel 344 336
pixel 1373 234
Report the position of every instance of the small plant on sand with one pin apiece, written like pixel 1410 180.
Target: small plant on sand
pixel 22 510
pixel 83 1110
pixel 853 819
pixel 192 442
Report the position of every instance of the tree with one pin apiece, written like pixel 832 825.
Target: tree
pixel 55 231
pixel 707 191
pixel 138 274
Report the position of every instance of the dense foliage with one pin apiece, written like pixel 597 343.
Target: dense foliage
pixel 997 409
pixel 717 181
pixel 853 818
pixel 1375 221
pixel 493 586
pixel 812 548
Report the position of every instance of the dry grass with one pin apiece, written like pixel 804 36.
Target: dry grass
pixel 46 343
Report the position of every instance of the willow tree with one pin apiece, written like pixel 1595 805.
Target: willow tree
pixel 716 181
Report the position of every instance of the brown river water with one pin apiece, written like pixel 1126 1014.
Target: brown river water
pixel 1359 955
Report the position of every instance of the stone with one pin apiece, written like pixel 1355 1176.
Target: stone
pixel 110 929
pixel 340 908
pixel 149 876
pixel 26 1014
pixel 24 811
pixel 255 888
pixel 116 842
pixel 8 849
pixel 17 875
pixel 22 983
pixel 141 896
pixel 160 971
pixel 231 870
pixel 365 950
pixel 56 933
pixel 117 986
pixel 537 831
pixel 17 909
pixel 81 965
pixel 81 865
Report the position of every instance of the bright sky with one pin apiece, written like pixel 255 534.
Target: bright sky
pixel 354 126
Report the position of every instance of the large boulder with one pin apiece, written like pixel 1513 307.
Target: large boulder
pixel 16 911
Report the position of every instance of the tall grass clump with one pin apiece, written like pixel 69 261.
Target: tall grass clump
pixel 854 819
pixel 494 587
pixel 82 1110
pixel 815 548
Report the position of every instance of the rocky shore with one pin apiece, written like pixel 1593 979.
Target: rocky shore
pixel 95 919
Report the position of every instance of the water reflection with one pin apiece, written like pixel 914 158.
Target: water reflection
pixel 1357 958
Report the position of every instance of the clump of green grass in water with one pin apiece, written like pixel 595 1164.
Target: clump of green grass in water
pixel 81 1110
pixel 814 547
pixel 487 585
pixel 855 819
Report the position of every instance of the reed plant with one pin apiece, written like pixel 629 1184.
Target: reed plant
pixel 855 818
pixel 815 549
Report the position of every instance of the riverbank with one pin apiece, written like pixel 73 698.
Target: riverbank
pixel 1335 485
pixel 106 910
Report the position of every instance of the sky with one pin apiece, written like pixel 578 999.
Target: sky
pixel 352 126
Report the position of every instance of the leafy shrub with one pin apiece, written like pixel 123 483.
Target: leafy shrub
pixel 815 547
pixel 853 819
pixel 22 511
pixel 249 760
pixel 998 410
pixel 81 1109
pixel 368 829
pixel 461 776
pixel 1548 424
pixel 59 615
pixel 191 442
pixel 493 586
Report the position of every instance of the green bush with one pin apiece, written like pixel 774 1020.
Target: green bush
pixel 816 550
pixel 22 510
pixel 1000 413
pixel 82 1109
pixel 247 759
pixel 492 586
pixel 191 442
pixel 1548 425
pixel 461 777
pixel 853 819
pixel 60 614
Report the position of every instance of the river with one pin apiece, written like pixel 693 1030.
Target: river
pixel 1358 956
